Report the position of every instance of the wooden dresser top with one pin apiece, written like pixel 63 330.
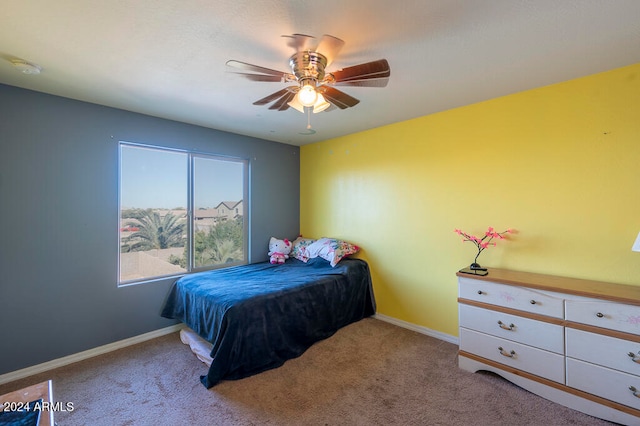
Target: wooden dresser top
pixel 579 287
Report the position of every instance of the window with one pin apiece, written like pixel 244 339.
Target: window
pixel 179 212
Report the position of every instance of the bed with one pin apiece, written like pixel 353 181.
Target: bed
pixel 258 316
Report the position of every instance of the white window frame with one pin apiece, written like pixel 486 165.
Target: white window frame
pixel 191 156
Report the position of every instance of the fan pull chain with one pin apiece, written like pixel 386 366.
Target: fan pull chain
pixel 309 131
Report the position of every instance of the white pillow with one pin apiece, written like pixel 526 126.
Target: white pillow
pixel 331 249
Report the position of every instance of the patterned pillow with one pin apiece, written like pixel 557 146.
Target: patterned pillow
pixel 331 249
pixel 299 250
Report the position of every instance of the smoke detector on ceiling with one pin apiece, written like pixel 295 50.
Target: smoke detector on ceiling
pixel 26 67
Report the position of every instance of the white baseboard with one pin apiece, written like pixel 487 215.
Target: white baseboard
pixel 418 328
pixel 60 362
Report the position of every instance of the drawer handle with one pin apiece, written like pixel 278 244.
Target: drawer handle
pixel 506 327
pixel 600 315
pixel 510 354
pixel 533 302
pixel 633 357
pixel 634 391
pixel 480 292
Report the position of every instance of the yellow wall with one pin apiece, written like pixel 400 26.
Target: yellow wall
pixel 559 164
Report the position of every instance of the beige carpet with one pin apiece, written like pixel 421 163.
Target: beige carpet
pixel 369 373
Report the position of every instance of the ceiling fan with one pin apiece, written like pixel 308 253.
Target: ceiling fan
pixel 314 86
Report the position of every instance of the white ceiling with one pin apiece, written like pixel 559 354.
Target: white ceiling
pixel 166 58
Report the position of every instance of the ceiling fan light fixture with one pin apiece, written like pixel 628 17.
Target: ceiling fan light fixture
pixel 307 95
pixel 308 71
pixel 321 104
pixel 295 104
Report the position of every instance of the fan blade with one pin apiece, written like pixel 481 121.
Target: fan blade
pixel 375 69
pixel 329 46
pixel 340 99
pixel 261 77
pixel 370 82
pixel 283 102
pixel 300 41
pixel 271 97
pixel 331 108
pixel 255 68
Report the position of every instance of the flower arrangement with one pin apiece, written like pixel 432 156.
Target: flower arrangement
pixel 482 243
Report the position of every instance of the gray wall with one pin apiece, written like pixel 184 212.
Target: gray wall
pixel 59 220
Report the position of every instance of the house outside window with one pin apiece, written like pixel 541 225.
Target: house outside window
pixel 169 214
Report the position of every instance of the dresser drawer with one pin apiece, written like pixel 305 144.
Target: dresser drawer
pixel 526 358
pixel 604 382
pixel 520 298
pixel 604 350
pixel 611 315
pixel 534 333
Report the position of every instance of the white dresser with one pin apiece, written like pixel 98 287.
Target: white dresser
pixel 575 342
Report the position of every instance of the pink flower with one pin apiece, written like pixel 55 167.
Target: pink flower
pixel 485 241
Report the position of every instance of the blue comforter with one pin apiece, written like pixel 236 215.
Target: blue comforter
pixel 258 316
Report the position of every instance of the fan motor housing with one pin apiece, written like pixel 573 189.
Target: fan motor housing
pixel 308 65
